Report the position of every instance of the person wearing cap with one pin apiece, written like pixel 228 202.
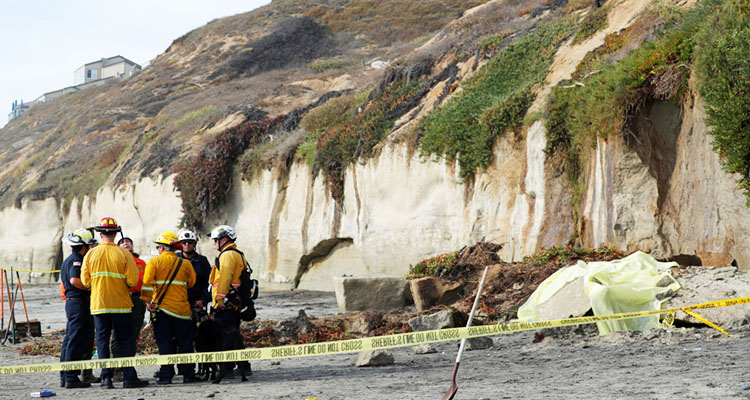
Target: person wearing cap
pixel 198 295
pixel 110 271
pixel 79 331
pixel 225 276
pixel 165 285
pixel 139 307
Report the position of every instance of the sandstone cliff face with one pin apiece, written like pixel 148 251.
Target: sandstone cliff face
pixel 400 209
pixel 659 188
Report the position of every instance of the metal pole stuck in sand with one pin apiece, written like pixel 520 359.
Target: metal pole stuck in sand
pixel 11 331
pixel 23 301
pixel 2 299
pixel 454 388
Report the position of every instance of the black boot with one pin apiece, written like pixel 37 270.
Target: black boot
pixel 107 383
pixel 138 383
pixel 76 385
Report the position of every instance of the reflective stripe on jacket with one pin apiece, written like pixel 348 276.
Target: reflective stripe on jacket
pixel 109 271
pixel 227 275
pixel 158 271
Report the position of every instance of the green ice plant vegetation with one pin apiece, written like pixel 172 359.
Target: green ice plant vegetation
pixel 723 69
pixel 493 100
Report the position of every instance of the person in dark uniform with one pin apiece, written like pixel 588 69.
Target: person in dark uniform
pixel 199 295
pixel 79 331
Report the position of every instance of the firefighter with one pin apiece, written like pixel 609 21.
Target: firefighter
pixel 225 276
pixel 165 291
pixel 79 332
pixel 110 271
pixel 199 295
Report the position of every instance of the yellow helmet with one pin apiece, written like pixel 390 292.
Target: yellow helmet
pixel 167 238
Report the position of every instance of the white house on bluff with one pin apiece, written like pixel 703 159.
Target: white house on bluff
pixel 94 74
pixel 117 67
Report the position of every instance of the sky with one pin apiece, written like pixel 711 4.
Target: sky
pixel 43 41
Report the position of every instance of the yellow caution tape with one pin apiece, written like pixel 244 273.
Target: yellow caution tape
pixel 707 322
pixel 30 271
pixel 354 345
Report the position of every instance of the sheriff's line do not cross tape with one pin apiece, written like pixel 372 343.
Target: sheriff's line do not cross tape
pixel 52 271
pixel 363 344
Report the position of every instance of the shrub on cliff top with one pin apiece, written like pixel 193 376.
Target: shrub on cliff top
pixel 435 266
pixel 205 180
pixel 292 42
pixel 334 112
pixel 723 66
pixel 495 99
pixel 600 102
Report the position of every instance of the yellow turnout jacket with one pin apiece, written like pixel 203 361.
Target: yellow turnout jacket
pixel 227 276
pixel 109 271
pixel 158 271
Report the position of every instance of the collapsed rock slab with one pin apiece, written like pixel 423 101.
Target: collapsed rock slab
pixel 374 358
pixel 430 291
pixel 570 301
pixel 439 320
pixel 371 292
pixel 704 284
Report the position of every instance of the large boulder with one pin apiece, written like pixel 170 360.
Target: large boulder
pixel 370 292
pixel 430 291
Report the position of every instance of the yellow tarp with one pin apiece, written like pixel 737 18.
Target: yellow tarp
pixel 626 285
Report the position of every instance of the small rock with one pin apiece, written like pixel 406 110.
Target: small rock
pixel 478 343
pixel 374 358
pixel 439 320
pixel 293 327
pixel 665 281
pixel 362 322
pixel 275 362
pixel 379 64
pixel 423 349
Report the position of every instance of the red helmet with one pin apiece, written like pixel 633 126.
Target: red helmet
pixel 108 224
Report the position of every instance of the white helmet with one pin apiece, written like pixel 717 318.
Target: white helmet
pixel 188 235
pixel 223 231
pixel 79 237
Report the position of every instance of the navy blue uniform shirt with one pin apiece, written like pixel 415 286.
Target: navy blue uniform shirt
pixel 71 268
pixel 202 268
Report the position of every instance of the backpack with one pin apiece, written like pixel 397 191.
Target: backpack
pixel 243 295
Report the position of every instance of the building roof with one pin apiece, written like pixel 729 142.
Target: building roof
pixel 112 60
